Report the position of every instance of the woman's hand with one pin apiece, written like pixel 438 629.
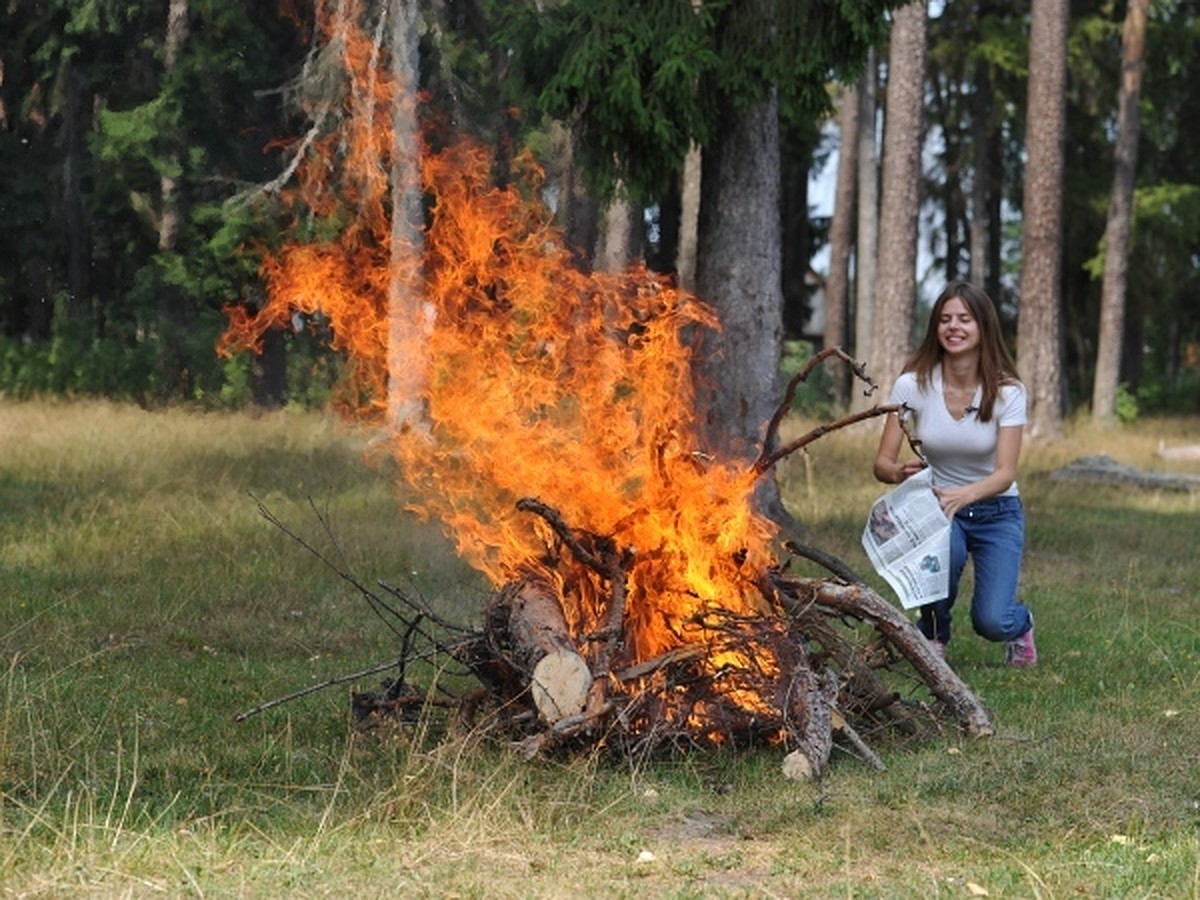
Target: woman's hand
pixel 907 470
pixel 955 498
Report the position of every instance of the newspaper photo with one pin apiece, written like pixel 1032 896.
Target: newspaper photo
pixel 907 539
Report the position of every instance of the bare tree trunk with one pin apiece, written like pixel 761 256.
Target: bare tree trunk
pixel 841 239
pixel 982 164
pixel 171 215
pixel 896 287
pixel 619 241
pixel 689 216
pixel 407 312
pixel 1120 214
pixel 867 244
pixel 738 272
pixel 1039 333
pixel 173 315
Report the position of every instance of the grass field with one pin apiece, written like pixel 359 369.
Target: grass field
pixel 144 601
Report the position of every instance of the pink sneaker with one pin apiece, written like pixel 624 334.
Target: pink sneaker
pixel 939 649
pixel 1022 652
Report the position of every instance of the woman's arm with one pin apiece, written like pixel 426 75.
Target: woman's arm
pixel 888 467
pixel 1008 454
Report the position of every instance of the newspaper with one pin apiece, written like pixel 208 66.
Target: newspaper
pixel 908 541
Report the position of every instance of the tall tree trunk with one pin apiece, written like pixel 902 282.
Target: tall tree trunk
pixel 1120 214
pixel 620 241
pixel 841 238
pixel 173 316
pixel 867 245
pixel 1039 333
pixel 896 286
pixel 738 271
pixel 689 218
pixel 170 218
pixel 981 180
pixel 406 307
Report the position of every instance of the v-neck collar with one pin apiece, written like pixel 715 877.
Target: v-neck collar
pixel 939 387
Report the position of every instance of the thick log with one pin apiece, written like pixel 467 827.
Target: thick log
pixel 559 677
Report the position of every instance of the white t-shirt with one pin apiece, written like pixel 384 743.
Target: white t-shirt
pixel 960 451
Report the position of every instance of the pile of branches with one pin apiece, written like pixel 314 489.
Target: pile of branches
pixel 823 667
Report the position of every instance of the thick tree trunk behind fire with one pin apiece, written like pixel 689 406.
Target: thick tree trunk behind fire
pixel 739 271
pixel 406 371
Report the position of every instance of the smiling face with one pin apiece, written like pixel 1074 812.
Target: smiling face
pixel 957 329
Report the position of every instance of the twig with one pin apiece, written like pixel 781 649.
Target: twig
pixel 768 458
pixel 565 533
pixel 377 604
pixel 859 370
pixel 313 688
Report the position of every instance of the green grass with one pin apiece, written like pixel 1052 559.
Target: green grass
pixel 144 601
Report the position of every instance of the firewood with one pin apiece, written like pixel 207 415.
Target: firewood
pixel 558 676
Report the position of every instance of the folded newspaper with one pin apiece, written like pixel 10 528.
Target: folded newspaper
pixel 907 539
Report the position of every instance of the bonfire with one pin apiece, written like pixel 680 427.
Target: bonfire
pixel 640 599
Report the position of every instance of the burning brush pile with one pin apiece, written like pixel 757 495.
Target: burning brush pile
pixel 639 600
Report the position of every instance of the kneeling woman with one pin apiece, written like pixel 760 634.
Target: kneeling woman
pixel 969 406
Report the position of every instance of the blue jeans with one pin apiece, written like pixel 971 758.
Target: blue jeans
pixel 992 532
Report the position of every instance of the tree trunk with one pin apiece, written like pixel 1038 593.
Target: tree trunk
pixel 738 271
pixel 982 164
pixel 1120 214
pixel 406 307
pixel 173 314
pixel 895 300
pixel 619 242
pixel 841 240
pixel 689 217
pixel 867 244
pixel 1040 325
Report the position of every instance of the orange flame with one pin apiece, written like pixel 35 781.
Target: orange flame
pixel 539 380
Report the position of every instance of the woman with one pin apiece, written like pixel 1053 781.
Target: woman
pixel 969 407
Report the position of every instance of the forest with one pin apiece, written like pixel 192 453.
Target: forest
pixel 151 152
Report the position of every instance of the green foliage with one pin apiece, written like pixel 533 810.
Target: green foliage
pixel 641 81
pixel 1126 405
pixel 815 395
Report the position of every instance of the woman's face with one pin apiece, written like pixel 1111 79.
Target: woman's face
pixel 957 330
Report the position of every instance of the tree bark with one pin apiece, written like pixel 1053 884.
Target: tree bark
pixel 895 301
pixel 689 216
pixel 867 244
pixel 558 677
pixel 982 165
pixel 619 242
pixel 841 240
pixel 406 308
pixel 738 271
pixel 1039 331
pixel 1120 214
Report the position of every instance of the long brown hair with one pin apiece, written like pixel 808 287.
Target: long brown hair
pixel 996 365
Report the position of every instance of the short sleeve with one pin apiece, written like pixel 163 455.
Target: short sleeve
pixel 904 391
pixel 1012 405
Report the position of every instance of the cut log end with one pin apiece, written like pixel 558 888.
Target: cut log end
pixel 560 685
